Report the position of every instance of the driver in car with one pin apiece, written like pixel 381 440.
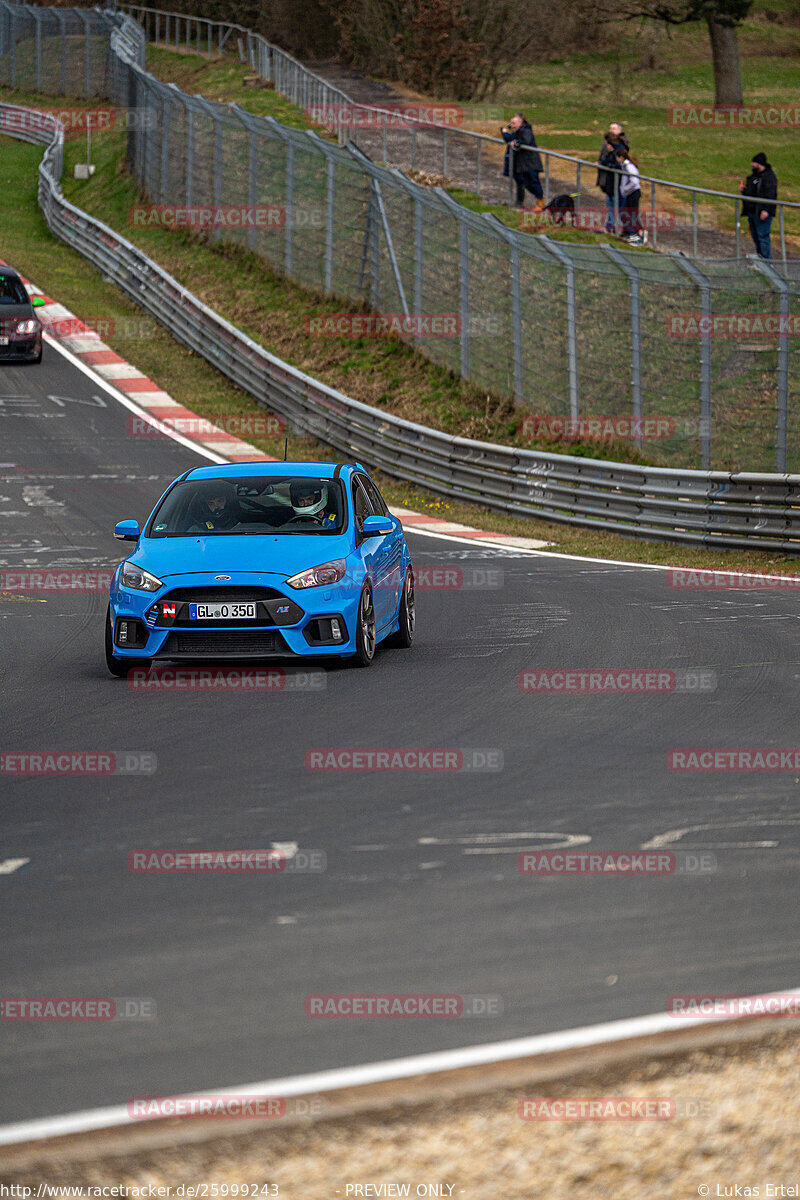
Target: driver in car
pixel 214 507
pixel 309 500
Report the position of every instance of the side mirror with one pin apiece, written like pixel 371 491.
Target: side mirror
pixel 127 531
pixel 38 302
pixel 377 526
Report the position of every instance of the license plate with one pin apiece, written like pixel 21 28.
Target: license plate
pixel 3 341
pixel 222 612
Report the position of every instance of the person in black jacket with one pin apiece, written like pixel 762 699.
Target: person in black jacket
pixel 760 190
pixel 527 163
pixel 605 179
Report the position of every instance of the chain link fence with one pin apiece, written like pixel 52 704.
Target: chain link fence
pixel 431 137
pixel 696 364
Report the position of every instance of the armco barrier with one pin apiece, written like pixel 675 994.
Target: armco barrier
pixel 711 508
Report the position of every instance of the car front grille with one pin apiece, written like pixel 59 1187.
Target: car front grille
pixel 223 643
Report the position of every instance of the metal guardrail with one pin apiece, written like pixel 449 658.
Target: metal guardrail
pixel 714 508
pixel 428 144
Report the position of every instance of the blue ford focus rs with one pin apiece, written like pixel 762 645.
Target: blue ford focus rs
pixel 262 560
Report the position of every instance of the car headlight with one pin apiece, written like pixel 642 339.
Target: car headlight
pixel 330 572
pixel 31 326
pixel 138 579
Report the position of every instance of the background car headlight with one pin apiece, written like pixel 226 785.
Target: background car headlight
pixel 28 326
pixel 141 581
pixel 330 572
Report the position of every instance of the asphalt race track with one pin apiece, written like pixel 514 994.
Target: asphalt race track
pixel 421 891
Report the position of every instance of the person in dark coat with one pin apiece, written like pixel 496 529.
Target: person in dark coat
pixel 612 141
pixel 760 191
pixel 527 164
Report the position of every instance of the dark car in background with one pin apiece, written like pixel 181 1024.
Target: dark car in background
pixel 20 331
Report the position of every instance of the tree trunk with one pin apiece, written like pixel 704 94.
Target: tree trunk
pixel 727 72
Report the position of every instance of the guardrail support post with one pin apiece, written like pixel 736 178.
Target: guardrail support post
pixel 289 228
pixel 572 323
pixel 330 228
pixel 631 270
pixel 704 284
pixel 782 417
pixel 189 153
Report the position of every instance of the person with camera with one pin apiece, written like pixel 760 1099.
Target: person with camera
pixel 517 135
pixel 612 140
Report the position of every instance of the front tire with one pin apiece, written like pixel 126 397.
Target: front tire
pixel 365 631
pixel 406 616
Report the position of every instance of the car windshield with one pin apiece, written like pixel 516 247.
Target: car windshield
pixel 12 291
pixel 278 504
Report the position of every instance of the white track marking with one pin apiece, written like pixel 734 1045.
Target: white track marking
pixel 675 835
pixel 9 865
pixel 133 407
pixel 381 1072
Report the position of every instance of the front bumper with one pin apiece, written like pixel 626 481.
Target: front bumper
pixel 310 623
pixel 24 348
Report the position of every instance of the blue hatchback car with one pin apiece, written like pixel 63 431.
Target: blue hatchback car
pixel 262 560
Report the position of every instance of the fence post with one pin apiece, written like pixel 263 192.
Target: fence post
pixel 289 227
pixel 62 34
pixel 704 284
pixel 166 112
pixel 37 15
pixel 419 264
pixel 572 322
pixel 84 15
pixel 13 11
pixel 189 152
pixel 330 229
pixel 782 287
pixel 632 271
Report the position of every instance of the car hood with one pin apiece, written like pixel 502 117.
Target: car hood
pixel 281 554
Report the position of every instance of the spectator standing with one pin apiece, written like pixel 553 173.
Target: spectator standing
pixel 760 190
pixel 606 178
pixel 517 134
pixel 630 187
